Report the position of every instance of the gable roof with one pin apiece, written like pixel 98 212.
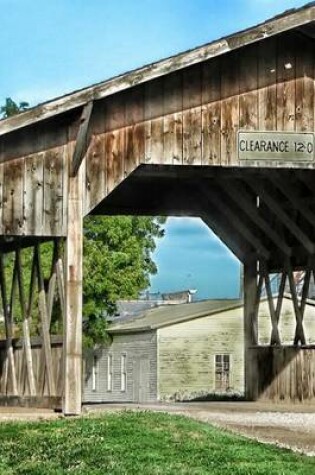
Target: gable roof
pixel 295 18
pixel 167 315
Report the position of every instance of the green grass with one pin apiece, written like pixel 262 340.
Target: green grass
pixel 140 443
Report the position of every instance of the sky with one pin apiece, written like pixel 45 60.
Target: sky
pixel 52 47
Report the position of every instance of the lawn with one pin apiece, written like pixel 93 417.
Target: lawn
pixel 140 443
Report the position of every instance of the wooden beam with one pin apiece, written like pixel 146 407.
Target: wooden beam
pixel 25 325
pixel 286 220
pixel 293 198
pixel 81 145
pixel 73 299
pixel 10 363
pixel 250 328
pixel 222 233
pixel 275 337
pixel 234 219
pixel 45 330
pixel 242 199
pixel 299 332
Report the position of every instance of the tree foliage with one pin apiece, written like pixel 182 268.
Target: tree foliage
pixel 117 264
pixel 11 108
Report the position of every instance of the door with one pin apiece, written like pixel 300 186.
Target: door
pixel 141 379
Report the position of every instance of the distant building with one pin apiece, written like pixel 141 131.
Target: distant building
pixel 181 351
pixel 148 300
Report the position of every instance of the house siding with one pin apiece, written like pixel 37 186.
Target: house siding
pixel 141 357
pixel 186 354
pixel 186 351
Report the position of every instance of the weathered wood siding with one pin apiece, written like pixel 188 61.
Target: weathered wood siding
pixel 284 374
pixel 186 354
pixel 186 351
pixel 33 194
pixel 191 117
pixel 187 117
pixel 137 347
pixel 42 389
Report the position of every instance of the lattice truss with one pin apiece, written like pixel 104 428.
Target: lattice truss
pixel 32 304
pixel 297 284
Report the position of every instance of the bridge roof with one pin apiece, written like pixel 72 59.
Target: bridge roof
pixel 301 18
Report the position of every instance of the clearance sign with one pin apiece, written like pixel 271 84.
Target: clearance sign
pixel 275 146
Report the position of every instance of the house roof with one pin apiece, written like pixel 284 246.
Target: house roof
pixel 302 18
pixel 167 315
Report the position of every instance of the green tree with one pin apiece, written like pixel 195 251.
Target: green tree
pixel 117 264
pixel 10 108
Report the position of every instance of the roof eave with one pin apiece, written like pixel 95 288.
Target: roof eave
pixel 279 24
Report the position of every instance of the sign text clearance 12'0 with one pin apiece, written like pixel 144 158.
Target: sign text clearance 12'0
pixel 288 146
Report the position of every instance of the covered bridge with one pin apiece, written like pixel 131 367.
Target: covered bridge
pixel 224 132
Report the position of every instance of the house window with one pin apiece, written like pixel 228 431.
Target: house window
pixel 109 372
pixel 94 373
pixel 123 373
pixel 222 372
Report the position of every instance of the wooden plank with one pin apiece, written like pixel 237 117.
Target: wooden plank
pixel 286 83
pixel 275 337
pixel 1 197
pixel 292 197
pixel 304 85
pixel 173 119
pixel 66 157
pixel 299 332
pixel 82 140
pixel 153 113
pixel 25 325
pixel 242 199
pixel 42 305
pixel 135 131
pixel 10 367
pixel 52 282
pixel 61 287
pixel 53 190
pixel 13 216
pixel 34 194
pixel 299 375
pixel 267 84
pixel 237 222
pixel 115 142
pixel 229 108
pixel 280 295
pixel 73 299
pixel 250 329
pixel 95 172
pixel 248 71
pixel 211 112
pixel 192 117
pixel 282 215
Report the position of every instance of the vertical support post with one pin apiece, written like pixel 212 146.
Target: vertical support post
pixel 73 298
pixel 250 328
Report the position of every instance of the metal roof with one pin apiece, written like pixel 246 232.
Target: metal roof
pixel 301 18
pixel 167 315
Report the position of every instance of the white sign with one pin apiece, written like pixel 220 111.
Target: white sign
pixel 284 146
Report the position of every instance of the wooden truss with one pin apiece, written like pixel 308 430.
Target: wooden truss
pixel 21 375
pixel 275 300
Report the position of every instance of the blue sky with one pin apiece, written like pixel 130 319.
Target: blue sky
pixel 52 47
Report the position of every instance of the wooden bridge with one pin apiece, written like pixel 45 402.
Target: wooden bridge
pixel 224 132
